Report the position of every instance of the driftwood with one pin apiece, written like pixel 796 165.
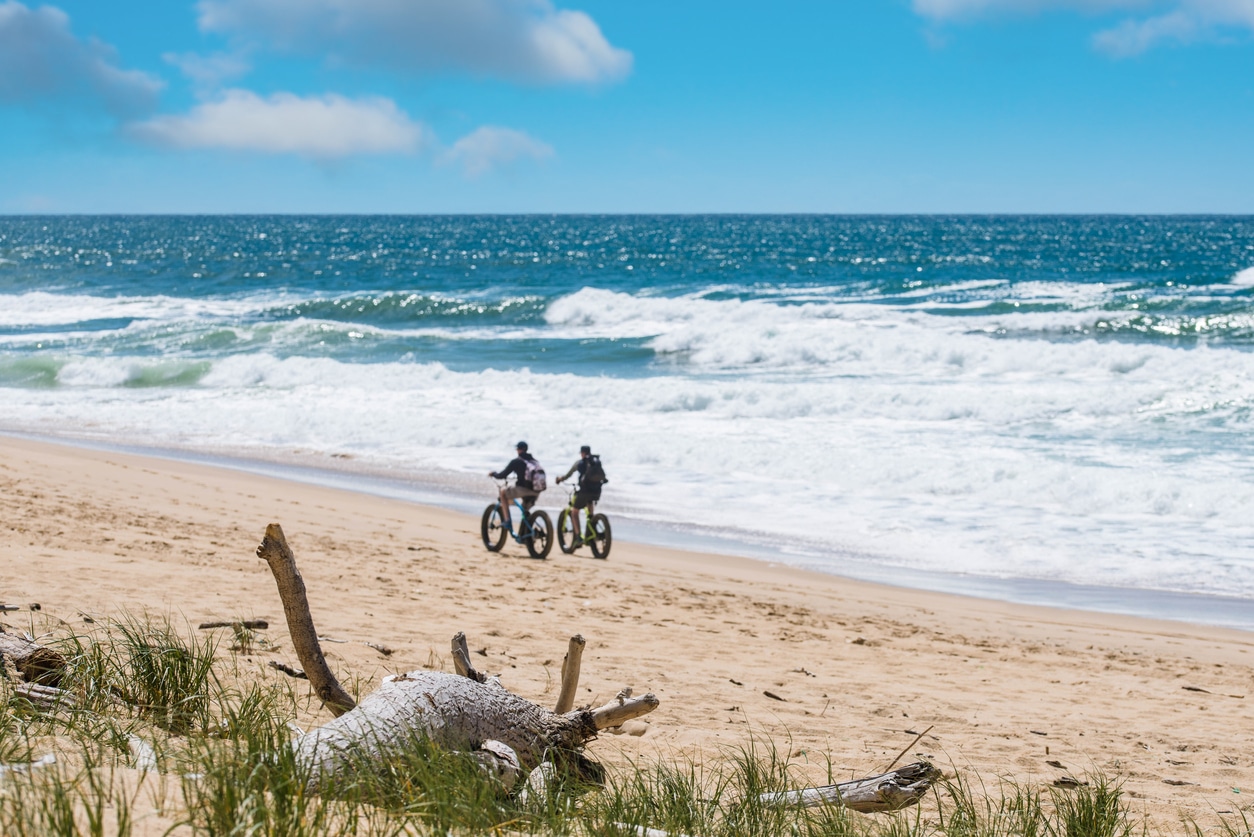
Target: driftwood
pixel 36 663
pixel 276 553
pixel 250 624
pixel 887 792
pixel 288 670
pixel 461 659
pixel 890 791
pixel 464 711
pixel 469 711
pixel 46 698
pixel 570 674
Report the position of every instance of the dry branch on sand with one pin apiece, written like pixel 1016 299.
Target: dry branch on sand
pixel 471 712
pixel 464 711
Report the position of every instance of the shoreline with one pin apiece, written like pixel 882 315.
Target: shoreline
pixel 843 673
pixel 1187 608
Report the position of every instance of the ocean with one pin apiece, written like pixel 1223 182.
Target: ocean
pixel 1044 409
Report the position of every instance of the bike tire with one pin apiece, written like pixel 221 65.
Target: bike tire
pixel 602 537
pixel 490 528
pixel 567 538
pixel 540 541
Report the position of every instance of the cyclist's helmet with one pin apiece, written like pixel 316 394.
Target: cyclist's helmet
pixel 521 446
pixel 586 449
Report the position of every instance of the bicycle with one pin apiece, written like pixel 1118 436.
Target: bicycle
pixel 597 533
pixel 535 531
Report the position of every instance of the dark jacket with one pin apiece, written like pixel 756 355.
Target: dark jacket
pixel 517 467
pixel 581 466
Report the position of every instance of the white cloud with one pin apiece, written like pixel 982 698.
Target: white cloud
pixel 1191 20
pixel 491 147
pixel 527 40
pixel 1159 21
pixel 41 60
pixel 209 72
pixel 323 127
pixel 954 9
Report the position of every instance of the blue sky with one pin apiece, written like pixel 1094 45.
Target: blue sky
pixel 415 106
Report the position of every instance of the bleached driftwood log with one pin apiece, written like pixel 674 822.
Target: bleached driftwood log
pixel 33 661
pixel 456 711
pixel 890 791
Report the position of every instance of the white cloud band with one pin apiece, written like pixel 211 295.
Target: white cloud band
pixel 1179 21
pixel 321 127
pixel 41 60
pixel 526 40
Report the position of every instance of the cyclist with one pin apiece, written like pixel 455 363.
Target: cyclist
pixel 591 478
pixel 524 468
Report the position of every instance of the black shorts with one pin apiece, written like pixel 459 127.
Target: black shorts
pixel 586 494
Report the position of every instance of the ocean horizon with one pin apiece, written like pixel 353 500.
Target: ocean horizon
pixel 1048 409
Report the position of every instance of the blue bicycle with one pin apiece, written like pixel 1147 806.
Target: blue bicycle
pixel 535 529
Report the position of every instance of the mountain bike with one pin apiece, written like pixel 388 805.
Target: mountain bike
pixel 596 534
pixel 535 529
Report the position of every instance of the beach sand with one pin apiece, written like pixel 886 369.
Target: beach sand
pixel 859 669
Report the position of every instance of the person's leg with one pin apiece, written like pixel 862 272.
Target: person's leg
pixel 583 501
pixel 579 504
pixel 508 493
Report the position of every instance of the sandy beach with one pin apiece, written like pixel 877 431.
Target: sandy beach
pixel 857 670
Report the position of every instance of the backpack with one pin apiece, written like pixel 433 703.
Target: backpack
pixel 535 475
pixel 595 473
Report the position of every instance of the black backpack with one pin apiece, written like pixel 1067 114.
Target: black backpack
pixel 595 473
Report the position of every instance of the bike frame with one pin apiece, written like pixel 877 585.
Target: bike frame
pixel 526 522
pixel 591 509
pixel 521 535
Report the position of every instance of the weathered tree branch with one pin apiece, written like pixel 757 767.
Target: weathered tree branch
pixel 461 659
pixel 288 670
pixel 250 624
pixel 278 555
pixel 570 674
pixel 622 709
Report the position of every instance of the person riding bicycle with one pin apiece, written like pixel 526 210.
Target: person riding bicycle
pixel 523 467
pixel 591 478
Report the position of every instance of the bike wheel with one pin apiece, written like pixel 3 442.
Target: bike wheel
pixel 602 537
pixel 491 528
pixel 567 537
pixel 540 541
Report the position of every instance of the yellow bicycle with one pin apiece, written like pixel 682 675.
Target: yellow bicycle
pixel 597 534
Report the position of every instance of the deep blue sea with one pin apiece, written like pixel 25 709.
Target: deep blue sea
pixel 1037 408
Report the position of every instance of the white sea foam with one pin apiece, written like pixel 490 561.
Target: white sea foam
pixel 833 430
pixel 39 308
pixel 1245 278
pixel 930 450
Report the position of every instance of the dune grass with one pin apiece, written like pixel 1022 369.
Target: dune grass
pixel 217 733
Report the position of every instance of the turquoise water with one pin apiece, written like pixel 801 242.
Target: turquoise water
pixel 963 401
